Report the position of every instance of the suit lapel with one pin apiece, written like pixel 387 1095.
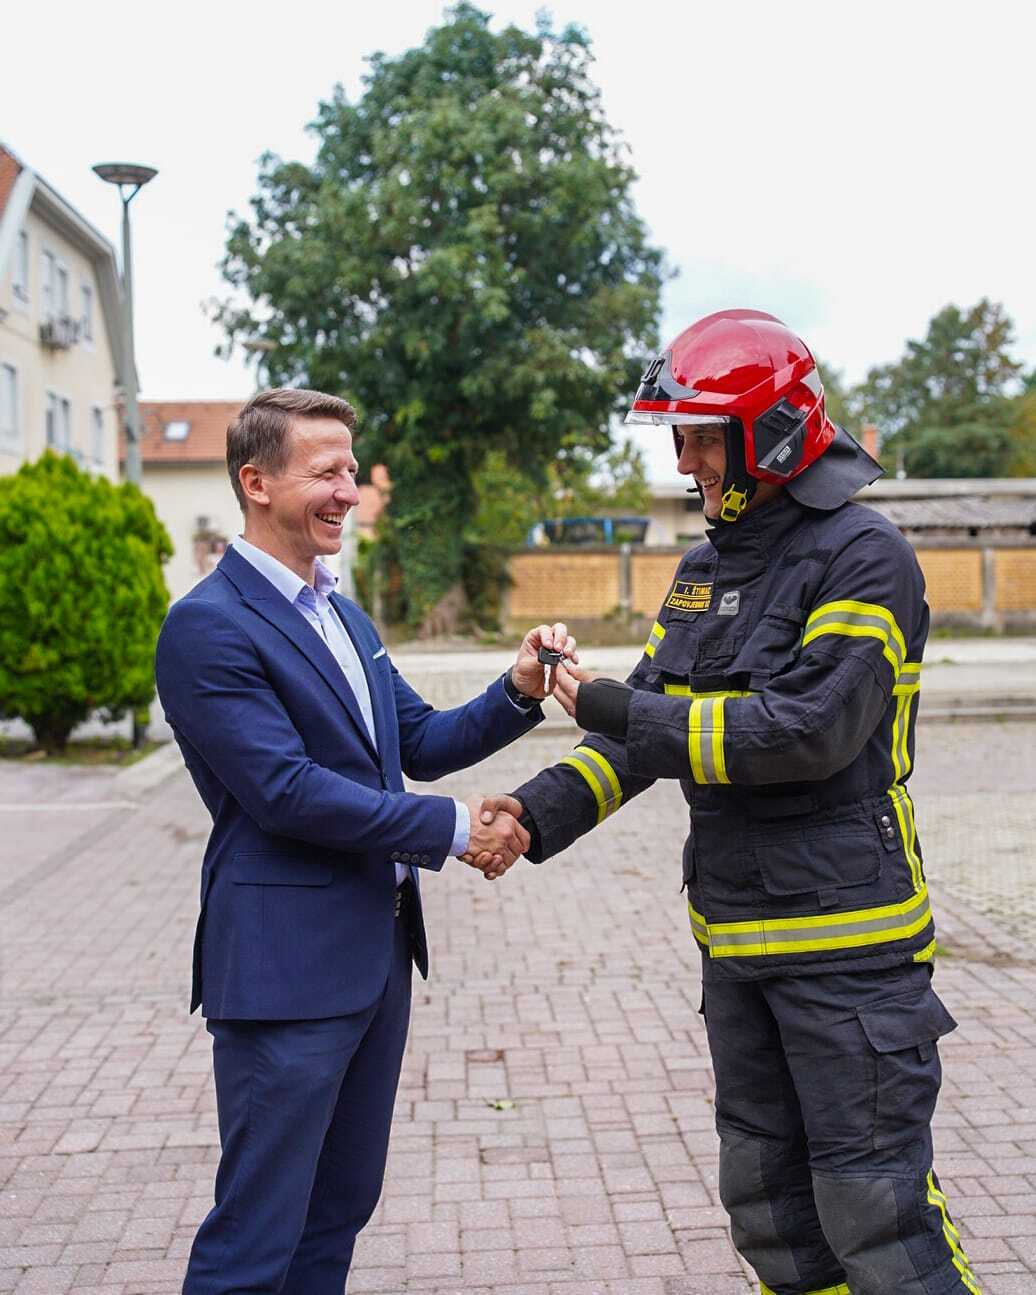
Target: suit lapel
pixel 267 602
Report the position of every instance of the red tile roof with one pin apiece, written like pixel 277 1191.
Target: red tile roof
pixel 206 439
pixel 10 169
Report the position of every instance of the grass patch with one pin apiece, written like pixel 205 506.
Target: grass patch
pixel 89 751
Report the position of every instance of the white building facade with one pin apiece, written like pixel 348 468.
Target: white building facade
pixel 60 330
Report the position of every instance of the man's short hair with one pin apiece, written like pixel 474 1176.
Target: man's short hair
pixel 261 433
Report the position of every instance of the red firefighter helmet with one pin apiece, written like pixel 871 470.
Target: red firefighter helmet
pixel 745 370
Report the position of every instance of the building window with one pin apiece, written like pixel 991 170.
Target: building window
pixel 54 301
pixel 20 273
pixel 61 305
pixel 48 267
pixel 97 436
pixel 177 431
pixel 59 423
pixel 86 319
pixel 8 404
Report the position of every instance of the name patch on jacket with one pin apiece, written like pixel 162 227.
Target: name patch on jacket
pixel 687 597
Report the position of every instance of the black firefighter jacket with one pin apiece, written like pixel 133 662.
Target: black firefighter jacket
pixel 780 686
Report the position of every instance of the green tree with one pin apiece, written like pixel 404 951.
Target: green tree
pixel 464 260
pixel 81 597
pixel 1022 433
pixel 945 407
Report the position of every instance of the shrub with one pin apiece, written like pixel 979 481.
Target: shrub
pixel 81 597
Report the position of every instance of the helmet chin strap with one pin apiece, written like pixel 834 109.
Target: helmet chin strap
pixel 739 485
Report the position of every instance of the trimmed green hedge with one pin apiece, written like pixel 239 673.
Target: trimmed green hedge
pixel 82 597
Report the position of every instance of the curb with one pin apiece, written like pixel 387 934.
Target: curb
pixel 149 772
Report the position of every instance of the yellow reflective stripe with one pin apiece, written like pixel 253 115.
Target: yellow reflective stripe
pixel 606 769
pixel 902 721
pixel 849 930
pixel 840 1289
pixel 904 811
pixel 705 739
pixel 927 953
pixel 859 620
pixel 599 776
pixel 960 1259
pixel 654 638
pixel 909 678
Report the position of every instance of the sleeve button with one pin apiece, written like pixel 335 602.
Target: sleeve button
pixel 425 858
pixel 404 857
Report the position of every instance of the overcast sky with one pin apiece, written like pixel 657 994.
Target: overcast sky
pixel 850 167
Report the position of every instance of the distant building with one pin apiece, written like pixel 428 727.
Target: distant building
pixel 183 449
pixel 60 327
pixel 959 509
pixel 676 515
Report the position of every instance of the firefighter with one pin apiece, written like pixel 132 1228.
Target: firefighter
pixel 780 686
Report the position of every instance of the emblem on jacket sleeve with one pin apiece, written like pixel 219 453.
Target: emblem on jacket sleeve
pixel 730 603
pixel 688 597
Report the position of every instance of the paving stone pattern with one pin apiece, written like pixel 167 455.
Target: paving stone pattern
pixel 554 1130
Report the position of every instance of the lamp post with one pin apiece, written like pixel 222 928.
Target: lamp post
pixel 131 177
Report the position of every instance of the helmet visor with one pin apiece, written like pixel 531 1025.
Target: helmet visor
pixel 649 418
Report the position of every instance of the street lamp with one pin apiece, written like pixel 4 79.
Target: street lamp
pixel 259 348
pixel 131 177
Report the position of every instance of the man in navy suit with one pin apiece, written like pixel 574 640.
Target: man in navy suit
pixel 297 728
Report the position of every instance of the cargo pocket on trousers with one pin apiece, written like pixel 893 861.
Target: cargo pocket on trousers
pixel 903 1032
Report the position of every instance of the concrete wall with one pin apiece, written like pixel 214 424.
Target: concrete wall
pixel 84 374
pixel 973 586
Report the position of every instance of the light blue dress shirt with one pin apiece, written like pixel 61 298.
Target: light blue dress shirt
pixel 314 603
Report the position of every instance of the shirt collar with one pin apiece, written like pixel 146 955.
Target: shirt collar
pixel 283 579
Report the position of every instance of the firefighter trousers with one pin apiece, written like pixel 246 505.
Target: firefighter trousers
pixel 825 1090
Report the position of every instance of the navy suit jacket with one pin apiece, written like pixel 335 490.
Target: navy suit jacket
pixel 298 882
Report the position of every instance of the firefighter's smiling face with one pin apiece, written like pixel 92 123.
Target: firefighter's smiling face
pixel 701 450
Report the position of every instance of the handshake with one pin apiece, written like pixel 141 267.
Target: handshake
pixel 497 838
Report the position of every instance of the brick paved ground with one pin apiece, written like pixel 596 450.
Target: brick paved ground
pixel 568 992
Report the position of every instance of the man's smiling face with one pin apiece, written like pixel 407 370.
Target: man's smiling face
pixel 702 453
pixel 309 499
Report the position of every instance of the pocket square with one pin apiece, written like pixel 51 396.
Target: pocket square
pixel 377 654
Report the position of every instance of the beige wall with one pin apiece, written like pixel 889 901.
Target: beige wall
pixel 577 585
pixel 953 579
pixel 181 495
pixel 1015 580
pixel 651 577
pixel 84 374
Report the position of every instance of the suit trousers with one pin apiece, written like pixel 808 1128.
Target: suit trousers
pixel 825 1089
pixel 304 1111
